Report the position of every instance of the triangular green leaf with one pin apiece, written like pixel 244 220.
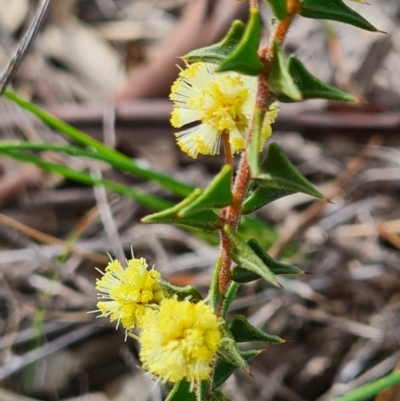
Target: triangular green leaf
pixel 229 297
pixel 181 391
pixel 274 265
pixel 280 80
pixel 217 195
pixel 253 150
pixel 262 196
pixel 311 87
pixel 244 59
pixel 335 10
pixel 206 220
pixel 279 8
pixel 188 291
pixel 279 172
pixel 223 369
pixel 241 275
pixel 218 52
pixel 244 256
pixel 243 331
pixel 229 352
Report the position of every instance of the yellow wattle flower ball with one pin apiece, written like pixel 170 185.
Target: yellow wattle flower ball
pixel 126 293
pixel 220 102
pixel 180 340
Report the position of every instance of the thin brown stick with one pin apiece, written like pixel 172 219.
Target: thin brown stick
pixel 24 44
pixel 49 239
pixel 13 321
pixel 391 227
pixel 18 362
pixel 388 236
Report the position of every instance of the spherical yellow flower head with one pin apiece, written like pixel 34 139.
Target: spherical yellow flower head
pixel 180 340
pixel 128 292
pixel 221 102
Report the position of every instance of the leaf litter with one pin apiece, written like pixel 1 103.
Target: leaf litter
pixel 342 320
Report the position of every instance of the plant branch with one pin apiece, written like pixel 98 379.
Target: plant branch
pixel 233 213
pixel 24 44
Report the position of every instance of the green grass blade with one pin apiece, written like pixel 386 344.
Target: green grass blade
pixel 85 178
pixel 115 158
pixel 20 148
pixel 369 390
pixel 61 148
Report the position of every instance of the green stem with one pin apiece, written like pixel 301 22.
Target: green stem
pixel 85 178
pixel 371 389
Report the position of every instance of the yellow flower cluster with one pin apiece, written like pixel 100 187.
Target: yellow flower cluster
pixel 179 339
pixel 223 103
pixel 126 293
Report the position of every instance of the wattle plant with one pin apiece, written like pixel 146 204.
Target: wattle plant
pixel 230 93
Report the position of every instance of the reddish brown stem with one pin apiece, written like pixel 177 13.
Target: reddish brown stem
pixel 227 148
pixel 254 4
pixel 293 7
pixel 232 214
pixel 225 272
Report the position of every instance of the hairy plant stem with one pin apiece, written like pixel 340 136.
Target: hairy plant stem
pixel 227 149
pixel 232 214
pixel 293 7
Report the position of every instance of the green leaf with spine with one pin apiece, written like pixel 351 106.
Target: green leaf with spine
pixel 278 172
pixel 242 275
pixel 223 370
pixel 244 256
pixel 279 80
pixel 186 292
pixel 253 150
pixel 311 87
pixel 202 390
pixel 214 294
pixel 279 8
pixel 206 220
pixel 262 196
pixel 243 331
pixel 217 195
pixel 229 351
pixel 244 58
pixel 181 391
pixel 335 10
pixel 229 297
pixel 218 52
pixel 219 396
